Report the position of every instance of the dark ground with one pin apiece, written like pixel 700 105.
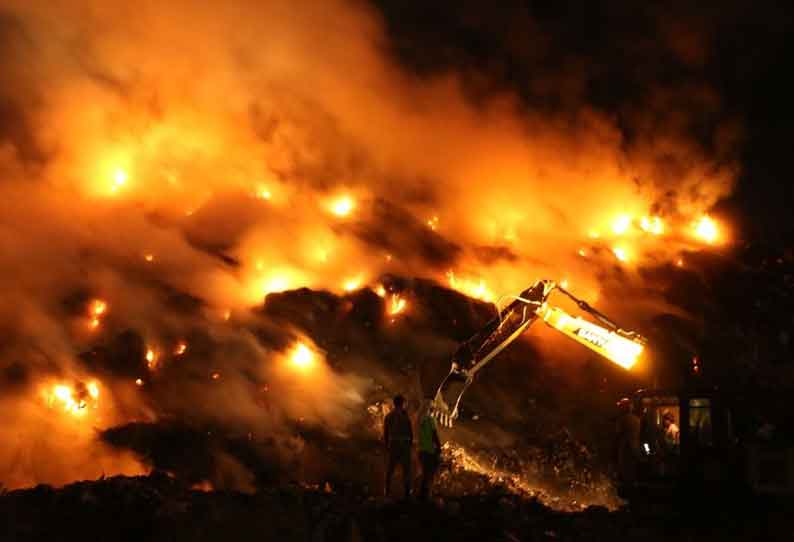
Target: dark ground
pixel 160 508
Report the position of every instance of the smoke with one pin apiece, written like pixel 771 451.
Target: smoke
pixel 180 162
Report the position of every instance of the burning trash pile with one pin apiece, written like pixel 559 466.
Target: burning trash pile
pixel 221 259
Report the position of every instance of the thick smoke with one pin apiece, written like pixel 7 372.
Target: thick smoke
pixel 180 161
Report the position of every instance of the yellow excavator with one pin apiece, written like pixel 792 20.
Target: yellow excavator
pixel 608 339
pixel 706 455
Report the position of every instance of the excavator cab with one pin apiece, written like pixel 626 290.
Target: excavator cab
pixel 689 448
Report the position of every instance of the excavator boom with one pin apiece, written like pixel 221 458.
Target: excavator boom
pixel 473 354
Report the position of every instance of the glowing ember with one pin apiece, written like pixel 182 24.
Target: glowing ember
pixel 149 257
pixel 227 314
pixel 564 283
pixel 264 193
pixel 582 253
pixel 98 307
pixel 679 262
pixel 380 291
pixel 215 376
pixel 621 254
pixel 621 224
pixel 151 359
pixel 432 223
pixel 397 304
pixel 138 382
pixel 652 225
pixel 706 230
pixel 302 357
pixel 343 206
pixel 181 348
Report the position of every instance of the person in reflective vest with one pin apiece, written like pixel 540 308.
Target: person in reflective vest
pixel 429 451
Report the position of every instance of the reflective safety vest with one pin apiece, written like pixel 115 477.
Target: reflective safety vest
pixel 427 428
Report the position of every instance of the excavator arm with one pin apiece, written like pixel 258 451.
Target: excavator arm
pixel 472 355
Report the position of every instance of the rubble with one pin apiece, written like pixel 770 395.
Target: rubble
pixel 159 507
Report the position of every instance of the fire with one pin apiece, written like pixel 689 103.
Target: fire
pixel 151 359
pixel 397 304
pixel 275 284
pixel 215 376
pixel 149 257
pixel 138 382
pixel 120 178
pixel 680 262
pixel 263 193
pixel 432 223
pixel 74 401
pixel 301 357
pixel 380 290
pixel 706 229
pixel 98 307
pixel 352 284
pixel 181 348
pixel 583 253
pixel 621 224
pixel 621 253
pixel 652 225
pixel 471 288
pixel 343 206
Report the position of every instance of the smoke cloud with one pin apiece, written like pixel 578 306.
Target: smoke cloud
pixel 179 162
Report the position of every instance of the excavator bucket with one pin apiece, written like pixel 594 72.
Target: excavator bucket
pixel 445 404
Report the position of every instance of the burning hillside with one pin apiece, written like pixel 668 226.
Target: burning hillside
pixel 231 233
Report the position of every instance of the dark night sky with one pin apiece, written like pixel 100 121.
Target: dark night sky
pixel 615 56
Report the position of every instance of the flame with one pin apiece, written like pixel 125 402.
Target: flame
pixel 380 290
pixel 151 359
pixel 274 284
pixel 652 225
pixel 621 253
pixel 302 356
pixel 263 193
pixel 74 401
pixel 432 223
pixel 471 288
pixel 181 348
pixel 343 206
pixel 397 304
pixel 98 307
pixel 352 284
pixel 706 229
pixel 621 224
pixel 120 178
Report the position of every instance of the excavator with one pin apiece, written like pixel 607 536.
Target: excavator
pixel 707 456
pixel 609 340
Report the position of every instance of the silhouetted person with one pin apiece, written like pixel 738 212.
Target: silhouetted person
pixel 398 436
pixel 429 451
pixel 628 443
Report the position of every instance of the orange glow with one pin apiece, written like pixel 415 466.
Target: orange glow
pixel 380 291
pixel 432 223
pixel 74 401
pixel 472 288
pixel 274 284
pixel 680 262
pixel 98 307
pixel 706 229
pixel 149 257
pixel 138 382
pixel 302 356
pixel 582 253
pixel 215 376
pixel 352 284
pixel 181 348
pixel 621 253
pixel 263 193
pixel 652 225
pixel 120 178
pixel 621 224
pixel 151 359
pixel 397 304
pixel 343 206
